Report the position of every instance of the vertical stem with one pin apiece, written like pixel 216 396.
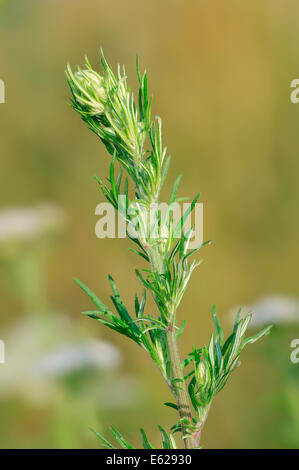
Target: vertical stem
pixel 179 386
pixel 200 425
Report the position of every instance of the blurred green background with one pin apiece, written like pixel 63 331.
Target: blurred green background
pixel 220 75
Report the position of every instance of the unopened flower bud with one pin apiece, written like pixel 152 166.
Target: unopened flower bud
pixel 202 374
pixel 88 88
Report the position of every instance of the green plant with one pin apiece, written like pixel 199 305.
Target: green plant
pixel 134 141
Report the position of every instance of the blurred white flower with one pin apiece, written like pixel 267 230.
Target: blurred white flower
pixel 274 309
pixel 30 222
pixel 75 357
pixel 40 350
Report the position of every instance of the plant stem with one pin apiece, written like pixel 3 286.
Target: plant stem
pixel 179 385
pixel 196 436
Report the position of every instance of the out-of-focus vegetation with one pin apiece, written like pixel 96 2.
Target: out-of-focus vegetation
pixel 232 132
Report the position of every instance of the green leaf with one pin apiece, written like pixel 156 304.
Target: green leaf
pixel 143 255
pixel 172 441
pixel 237 319
pixel 142 304
pixel 171 405
pixel 104 190
pixel 177 380
pixel 93 314
pixel 120 307
pixel 194 250
pixel 192 394
pixel 165 439
pixel 180 225
pixel 165 170
pixel 174 190
pixel 252 339
pixel 145 442
pixel 120 439
pixel 219 331
pixel 92 296
pixel 181 329
pixel 118 182
pixel 144 90
pixel 107 444
pixel 112 180
pixel 137 306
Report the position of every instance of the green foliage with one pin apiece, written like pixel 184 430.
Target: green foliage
pixel 168 441
pixel 107 105
pixel 146 331
pixel 134 141
pixel 213 364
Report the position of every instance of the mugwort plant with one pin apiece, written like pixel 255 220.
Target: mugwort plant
pixel 134 141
